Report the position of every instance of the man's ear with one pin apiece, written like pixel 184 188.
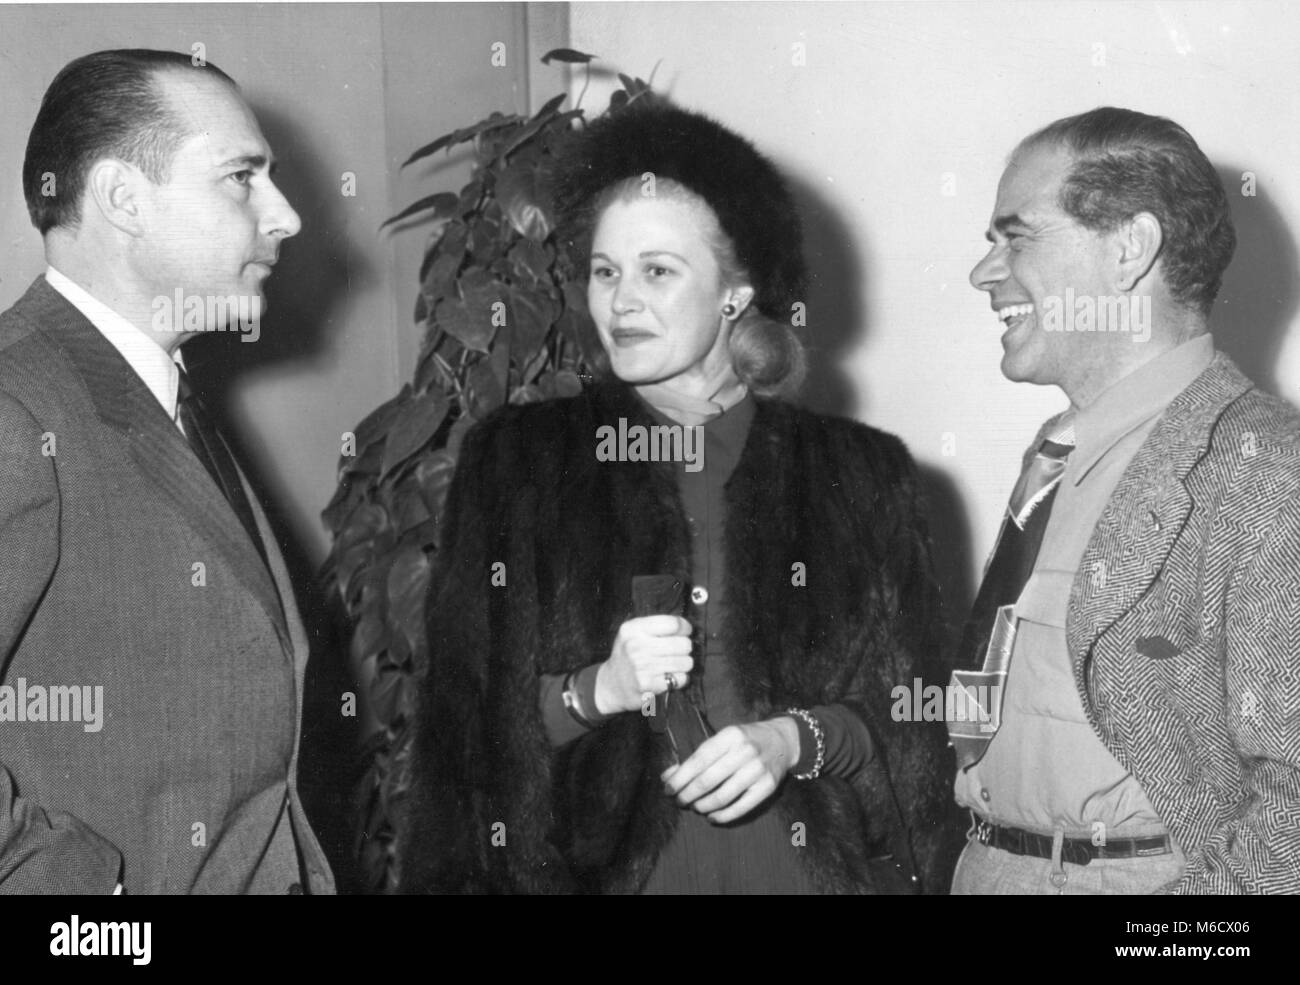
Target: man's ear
pixel 114 188
pixel 1140 240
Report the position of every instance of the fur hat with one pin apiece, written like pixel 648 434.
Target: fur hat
pixel 749 197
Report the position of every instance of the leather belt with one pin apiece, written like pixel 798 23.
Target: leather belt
pixel 1080 851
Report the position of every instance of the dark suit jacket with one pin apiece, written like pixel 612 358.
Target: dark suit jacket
pixel 1184 631
pixel 124 567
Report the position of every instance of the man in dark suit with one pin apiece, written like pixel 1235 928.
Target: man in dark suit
pixel 151 655
pixel 1140 617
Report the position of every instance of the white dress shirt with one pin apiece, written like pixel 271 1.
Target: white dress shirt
pixel 158 370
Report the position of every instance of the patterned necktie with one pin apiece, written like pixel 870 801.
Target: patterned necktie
pixel 974 708
pixel 202 435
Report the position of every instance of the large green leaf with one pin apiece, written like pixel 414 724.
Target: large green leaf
pixel 493 122
pixel 484 297
pixel 473 330
pixel 531 261
pixel 415 428
pixel 566 55
pixel 471 196
pixel 433 476
pixel 531 317
pixel 385 692
pixel 368 462
pixel 527 395
pixel 550 106
pixel 358 542
pixel 440 281
pixel 535 128
pixel 378 421
pixel 485 384
pixel 409 509
pixel 449 241
pixel 485 241
pixel 408 584
pixel 371 635
pixel 517 193
pixel 443 205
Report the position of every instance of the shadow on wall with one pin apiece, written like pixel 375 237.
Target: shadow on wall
pixel 835 319
pixel 836 325
pixel 317 270
pixel 952 547
pixel 1260 294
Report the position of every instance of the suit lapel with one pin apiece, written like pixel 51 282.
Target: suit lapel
pixel 157 447
pixel 1148 510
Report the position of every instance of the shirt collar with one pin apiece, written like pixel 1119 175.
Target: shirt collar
pixel 157 369
pixel 1134 400
pixel 689 410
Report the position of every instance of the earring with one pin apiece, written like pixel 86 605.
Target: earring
pixel 729 310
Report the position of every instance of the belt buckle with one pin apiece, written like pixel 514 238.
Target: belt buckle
pixel 1076 851
pixel 983 830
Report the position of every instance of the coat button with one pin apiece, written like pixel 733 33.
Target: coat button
pixel 699 594
pixel 984 794
pixel 295 889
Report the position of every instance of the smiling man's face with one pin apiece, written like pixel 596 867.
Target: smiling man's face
pixel 1039 251
pixel 214 227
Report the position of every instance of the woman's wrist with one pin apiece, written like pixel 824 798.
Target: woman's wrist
pixel 787 727
pixel 600 698
pixel 595 690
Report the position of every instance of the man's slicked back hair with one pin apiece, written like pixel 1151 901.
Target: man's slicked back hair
pixel 1127 162
pixel 105 104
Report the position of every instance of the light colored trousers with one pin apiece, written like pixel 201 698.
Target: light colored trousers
pixel 985 871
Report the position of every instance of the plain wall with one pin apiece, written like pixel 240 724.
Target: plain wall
pixel 894 131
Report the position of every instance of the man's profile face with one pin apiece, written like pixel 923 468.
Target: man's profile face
pixel 214 227
pixel 1039 251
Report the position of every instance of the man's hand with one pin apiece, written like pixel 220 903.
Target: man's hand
pixel 734 771
pixel 646 651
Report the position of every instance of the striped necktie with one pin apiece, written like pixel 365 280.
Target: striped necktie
pixel 974 708
pixel 211 450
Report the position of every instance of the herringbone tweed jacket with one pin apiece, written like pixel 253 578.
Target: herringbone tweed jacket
pixel 1184 631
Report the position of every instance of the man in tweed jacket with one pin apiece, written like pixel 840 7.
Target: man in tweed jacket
pixel 1150 731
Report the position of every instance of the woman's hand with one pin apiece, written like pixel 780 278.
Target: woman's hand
pixel 734 771
pixel 645 652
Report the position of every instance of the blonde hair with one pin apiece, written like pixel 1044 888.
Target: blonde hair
pixel 767 355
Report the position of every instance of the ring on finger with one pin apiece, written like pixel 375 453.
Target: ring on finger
pixel 671 680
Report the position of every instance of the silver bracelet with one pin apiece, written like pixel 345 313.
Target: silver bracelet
pixel 811 720
pixel 573 702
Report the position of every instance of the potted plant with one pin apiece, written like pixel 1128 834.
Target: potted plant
pixel 503 312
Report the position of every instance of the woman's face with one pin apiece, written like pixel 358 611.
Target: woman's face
pixel 656 291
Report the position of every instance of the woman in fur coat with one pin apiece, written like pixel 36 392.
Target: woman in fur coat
pixel 670 612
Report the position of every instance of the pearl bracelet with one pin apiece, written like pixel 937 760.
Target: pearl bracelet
pixel 811 721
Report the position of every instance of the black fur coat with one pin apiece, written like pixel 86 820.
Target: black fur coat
pixel 493 808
